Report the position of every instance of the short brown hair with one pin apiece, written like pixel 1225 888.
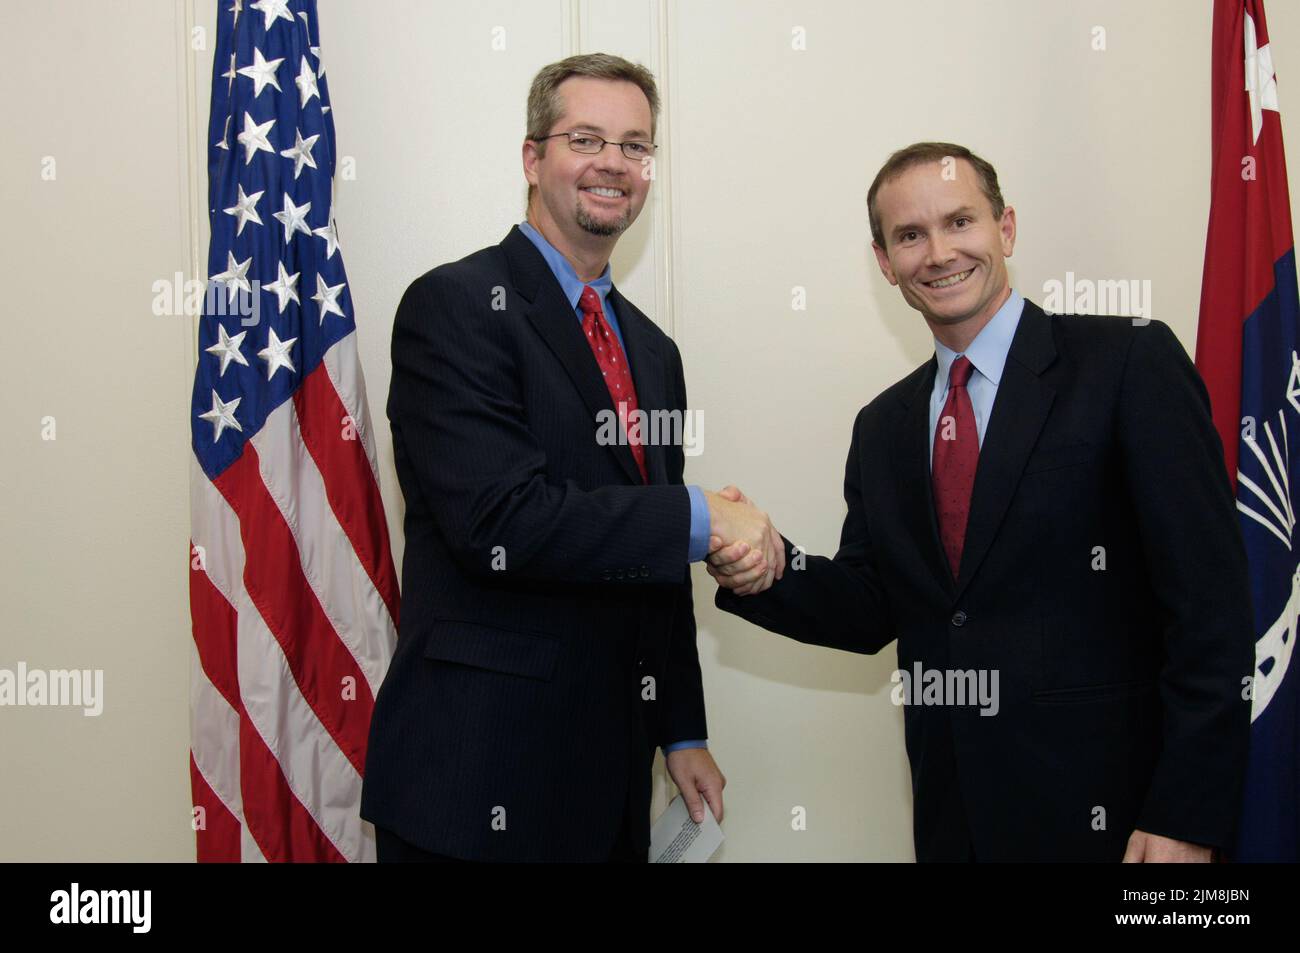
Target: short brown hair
pixel 921 152
pixel 545 107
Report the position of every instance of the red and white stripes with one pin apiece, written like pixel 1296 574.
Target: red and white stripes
pixel 294 610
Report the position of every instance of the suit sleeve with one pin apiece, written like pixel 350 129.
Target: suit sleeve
pixel 1196 563
pixel 840 602
pixel 458 418
pixel 681 710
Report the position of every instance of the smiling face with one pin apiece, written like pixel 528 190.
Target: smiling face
pixel 944 248
pixel 585 196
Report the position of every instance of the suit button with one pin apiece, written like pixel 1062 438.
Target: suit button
pixel 645 573
pixel 959 618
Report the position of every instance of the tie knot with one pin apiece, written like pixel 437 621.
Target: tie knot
pixel 589 302
pixel 960 372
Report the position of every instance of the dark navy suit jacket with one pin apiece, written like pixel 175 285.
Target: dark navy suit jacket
pixel 1103 578
pixel 547 636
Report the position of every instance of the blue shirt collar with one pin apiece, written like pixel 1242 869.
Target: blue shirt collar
pixel 988 352
pixel 564 273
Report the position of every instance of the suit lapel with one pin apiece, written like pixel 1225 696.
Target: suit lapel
pixel 554 319
pixel 915 486
pixel 1019 412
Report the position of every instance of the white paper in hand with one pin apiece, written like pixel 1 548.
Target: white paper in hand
pixel 676 839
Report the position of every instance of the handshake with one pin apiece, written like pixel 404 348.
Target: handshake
pixel 746 553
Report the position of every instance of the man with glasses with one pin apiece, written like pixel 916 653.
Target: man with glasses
pixel 547 631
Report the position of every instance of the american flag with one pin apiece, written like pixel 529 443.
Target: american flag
pixel 1248 351
pixel 293 594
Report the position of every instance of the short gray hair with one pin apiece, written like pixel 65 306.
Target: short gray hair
pixel 545 106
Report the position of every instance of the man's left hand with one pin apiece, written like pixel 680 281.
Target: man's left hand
pixel 1144 848
pixel 696 775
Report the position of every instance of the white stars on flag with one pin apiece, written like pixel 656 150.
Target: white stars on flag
pixel 253 138
pixel 276 354
pixel 235 277
pixel 330 234
pixel 326 297
pixel 255 260
pixel 306 82
pixel 293 217
pixel 284 287
pixel 244 210
pixel 224 141
pixel 222 415
pixel 262 72
pixel 272 10
pixel 227 349
pixel 300 152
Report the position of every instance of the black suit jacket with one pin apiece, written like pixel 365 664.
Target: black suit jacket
pixel 547 637
pixel 1120 687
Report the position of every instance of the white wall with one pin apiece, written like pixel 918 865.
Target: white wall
pixel 769 152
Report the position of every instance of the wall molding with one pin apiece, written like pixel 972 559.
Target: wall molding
pixel 666 291
pixel 194 173
pixel 573 25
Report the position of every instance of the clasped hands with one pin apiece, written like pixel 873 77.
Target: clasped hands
pixel 746 553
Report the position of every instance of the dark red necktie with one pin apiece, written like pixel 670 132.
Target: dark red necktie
pixel 956 455
pixel 613 365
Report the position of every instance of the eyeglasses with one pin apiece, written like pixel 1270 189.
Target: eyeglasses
pixel 590 144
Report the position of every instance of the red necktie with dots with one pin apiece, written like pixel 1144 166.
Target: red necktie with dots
pixel 613 365
pixel 956 455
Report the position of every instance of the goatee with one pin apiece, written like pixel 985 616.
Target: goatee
pixel 603 229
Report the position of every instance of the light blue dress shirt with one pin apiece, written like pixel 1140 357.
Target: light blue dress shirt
pixel 988 352
pixel 572 287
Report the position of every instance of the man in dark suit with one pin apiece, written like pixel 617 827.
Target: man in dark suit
pixel 547 635
pixel 1041 510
